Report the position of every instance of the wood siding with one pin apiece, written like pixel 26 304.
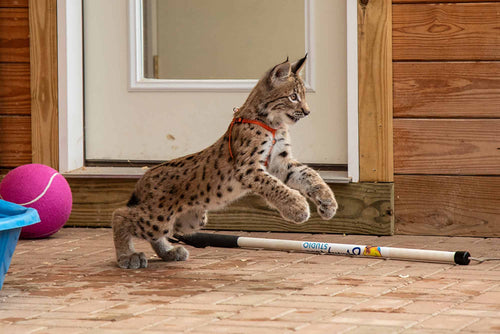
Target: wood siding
pixel 447 205
pixel 446 65
pixel 447 146
pixel 446 89
pixel 446 31
pixel 13 3
pixel 15 144
pixel 28 83
pixel 15 89
pixel 14 35
pixel 15 99
pixel 364 208
pixel 28 124
pixel 439 1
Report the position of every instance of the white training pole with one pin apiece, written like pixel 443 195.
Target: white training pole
pixel 231 241
pixel 346 249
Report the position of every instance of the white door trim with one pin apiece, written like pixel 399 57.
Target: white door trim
pixel 352 91
pixel 70 84
pixel 137 81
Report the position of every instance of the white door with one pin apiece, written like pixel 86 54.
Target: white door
pixel 125 125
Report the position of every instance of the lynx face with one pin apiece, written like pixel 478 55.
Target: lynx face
pixel 280 95
pixel 291 105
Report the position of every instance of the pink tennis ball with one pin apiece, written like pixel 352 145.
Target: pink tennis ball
pixel 44 189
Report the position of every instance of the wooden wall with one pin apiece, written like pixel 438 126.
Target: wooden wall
pixel 446 75
pixel 446 100
pixel 28 83
pixel 28 130
pixel 15 101
pixel 364 208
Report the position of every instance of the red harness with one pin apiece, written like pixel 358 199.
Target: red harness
pixel 251 121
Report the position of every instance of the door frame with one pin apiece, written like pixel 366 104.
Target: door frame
pixel 369 115
pixel 70 89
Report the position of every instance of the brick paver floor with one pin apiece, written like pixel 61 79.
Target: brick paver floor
pixel 69 283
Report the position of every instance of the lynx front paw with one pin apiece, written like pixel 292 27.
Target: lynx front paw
pixel 327 208
pixel 296 209
pixel 325 201
pixel 133 261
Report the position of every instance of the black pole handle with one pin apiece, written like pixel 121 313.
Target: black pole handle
pixel 202 240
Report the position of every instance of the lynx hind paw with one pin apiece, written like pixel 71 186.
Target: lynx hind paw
pixel 180 253
pixel 133 261
pixel 204 220
pixel 177 253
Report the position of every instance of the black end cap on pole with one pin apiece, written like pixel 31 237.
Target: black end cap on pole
pixel 462 258
pixel 202 240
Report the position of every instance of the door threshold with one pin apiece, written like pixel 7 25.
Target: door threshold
pixel 330 176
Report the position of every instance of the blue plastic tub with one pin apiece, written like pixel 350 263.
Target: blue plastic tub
pixel 12 218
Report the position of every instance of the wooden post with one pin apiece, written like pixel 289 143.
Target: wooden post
pixel 375 90
pixel 43 59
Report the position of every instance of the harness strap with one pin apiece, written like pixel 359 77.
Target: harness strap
pixel 252 121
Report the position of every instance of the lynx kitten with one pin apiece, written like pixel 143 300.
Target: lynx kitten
pixel 254 155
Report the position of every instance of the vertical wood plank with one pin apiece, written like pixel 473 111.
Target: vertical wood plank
pixel 375 90
pixel 43 52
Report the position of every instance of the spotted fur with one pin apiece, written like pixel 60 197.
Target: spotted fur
pixel 174 197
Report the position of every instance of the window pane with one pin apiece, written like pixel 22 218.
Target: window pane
pixel 220 39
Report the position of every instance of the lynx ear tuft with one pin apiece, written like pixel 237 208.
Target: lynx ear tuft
pixel 299 65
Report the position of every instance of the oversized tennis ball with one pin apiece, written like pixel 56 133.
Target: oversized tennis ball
pixel 44 189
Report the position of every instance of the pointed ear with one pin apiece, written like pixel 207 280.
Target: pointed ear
pixel 299 65
pixel 280 72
